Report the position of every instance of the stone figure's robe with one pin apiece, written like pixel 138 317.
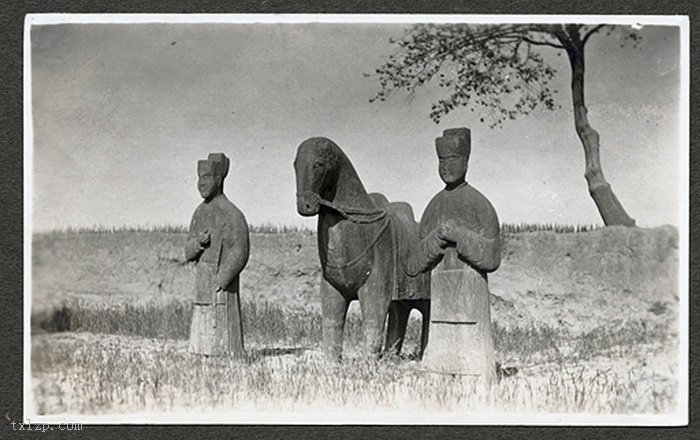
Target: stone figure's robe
pixel 216 320
pixel 461 340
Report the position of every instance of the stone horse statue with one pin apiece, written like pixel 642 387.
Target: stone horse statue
pixel 364 243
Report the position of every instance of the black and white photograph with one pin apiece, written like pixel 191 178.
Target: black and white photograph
pixel 356 219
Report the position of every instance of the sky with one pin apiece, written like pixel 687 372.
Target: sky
pixel 122 112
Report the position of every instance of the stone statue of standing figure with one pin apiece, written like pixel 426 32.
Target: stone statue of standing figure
pixel 460 243
pixel 219 244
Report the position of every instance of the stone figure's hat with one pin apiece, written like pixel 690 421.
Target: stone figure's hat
pixel 217 164
pixel 454 142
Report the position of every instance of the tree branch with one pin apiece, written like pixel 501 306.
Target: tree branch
pixel 591 32
pixel 562 36
pixel 542 43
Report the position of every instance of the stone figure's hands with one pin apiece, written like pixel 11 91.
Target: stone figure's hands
pixel 480 251
pixel 196 244
pixel 429 252
pixel 204 239
pixel 435 245
pixel 448 231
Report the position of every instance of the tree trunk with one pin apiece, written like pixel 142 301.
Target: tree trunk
pixel 608 205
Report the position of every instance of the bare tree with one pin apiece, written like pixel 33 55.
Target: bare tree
pixel 499 70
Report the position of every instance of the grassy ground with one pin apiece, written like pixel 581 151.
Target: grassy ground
pixel 119 369
pixel 603 372
pixel 111 313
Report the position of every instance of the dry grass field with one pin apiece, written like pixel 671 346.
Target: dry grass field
pixel 586 321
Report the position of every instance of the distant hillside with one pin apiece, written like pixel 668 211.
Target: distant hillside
pixel 578 280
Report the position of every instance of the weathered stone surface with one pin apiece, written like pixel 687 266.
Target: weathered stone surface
pixel 459 301
pixel 216 329
pixel 218 243
pixel 460 244
pixel 405 232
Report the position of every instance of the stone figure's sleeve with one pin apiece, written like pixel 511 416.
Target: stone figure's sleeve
pixel 192 248
pixel 236 249
pixel 482 248
pixel 427 254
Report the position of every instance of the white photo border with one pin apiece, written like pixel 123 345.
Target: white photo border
pixel 677 418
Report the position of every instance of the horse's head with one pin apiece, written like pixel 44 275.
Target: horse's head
pixel 315 167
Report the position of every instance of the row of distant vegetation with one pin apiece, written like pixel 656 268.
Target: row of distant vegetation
pixel 270 228
pixel 265 321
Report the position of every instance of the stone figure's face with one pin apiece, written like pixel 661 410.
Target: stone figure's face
pixel 453 169
pixel 208 185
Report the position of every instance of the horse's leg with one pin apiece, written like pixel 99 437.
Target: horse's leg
pixel 396 332
pixel 423 305
pixel 374 297
pixel 334 308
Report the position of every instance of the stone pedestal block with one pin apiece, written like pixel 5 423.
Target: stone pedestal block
pixel 217 328
pixel 461 338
